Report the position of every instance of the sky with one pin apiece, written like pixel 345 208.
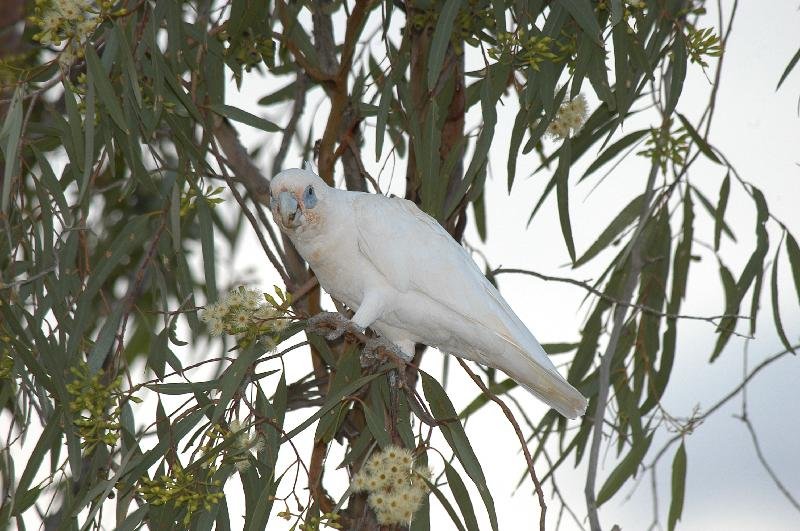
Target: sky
pixel 757 129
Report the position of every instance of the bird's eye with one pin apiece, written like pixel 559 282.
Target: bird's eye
pixel 309 198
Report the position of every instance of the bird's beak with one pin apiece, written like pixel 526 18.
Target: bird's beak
pixel 288 209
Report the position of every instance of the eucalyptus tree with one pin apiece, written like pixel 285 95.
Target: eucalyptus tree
pixel 124 176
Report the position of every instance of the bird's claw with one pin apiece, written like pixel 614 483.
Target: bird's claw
pixel 380 349
pixel 332 325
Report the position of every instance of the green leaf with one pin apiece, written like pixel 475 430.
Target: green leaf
pixel 331 401
pixel 722 204
pixel 376 423
pixel 448 507
pixel 239 115
pixel 624 470
pixel 280 95
pixel 678 73
pixel 517 133
pixel 623 220
pixel 789 68
pixel 453 432
pixel 461 495
pixel 183 388
pixel 617 10
pixel 497 389
pixel 108 96
pixel 231 379
pixel 794 260
pixel 582 12
pixel 727 324
pixel 256 519
pixel 51 435
pixel 441 40
pixel 105 338
pixel 776 313
pixel 348 369
pixel 612 151
pixel 701 144
pixel 713 212
pixel 11 132
pixel 207 246
pixel 678 486
pixel 383 115
pixel 133 520
pixel 562 195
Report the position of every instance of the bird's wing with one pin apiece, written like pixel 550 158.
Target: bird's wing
pixel 414 252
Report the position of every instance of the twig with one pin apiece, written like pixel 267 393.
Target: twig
pixel 510 416
pixel 640 307
pixel 620 312
pixel 301 85
pixel 766 466
pixel 270 255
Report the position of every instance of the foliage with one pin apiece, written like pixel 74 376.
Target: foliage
pixel 117 132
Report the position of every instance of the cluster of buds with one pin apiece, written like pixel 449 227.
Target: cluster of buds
pixel 244 445
pixel 73 21
pixel 524 49
pixel 184 489
pixel 663 146
pixel 247 312
pixel 91 401
pixel 396 487
pixel 569 119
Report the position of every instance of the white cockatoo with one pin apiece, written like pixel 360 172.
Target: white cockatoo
pixel 410 281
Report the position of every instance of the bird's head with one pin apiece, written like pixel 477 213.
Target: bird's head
pixel 295 196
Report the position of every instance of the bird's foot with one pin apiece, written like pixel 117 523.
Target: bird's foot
pixel 381 350
pixel 332 325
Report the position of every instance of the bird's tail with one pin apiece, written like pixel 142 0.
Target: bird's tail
pixel 552 389
pixel 534 371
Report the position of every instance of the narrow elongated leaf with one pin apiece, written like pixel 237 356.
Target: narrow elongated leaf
pixel 50 435
pixel 441 39
pixel 789 68
pixel 624 470
pixel 701 143
pixel 232 378
pixel 453 432
pixel 623 220
pixel 10 137
pixel 562 194
pixel 728 324
pixel 776 312
pixel 497 389
pixel 448 507
pixel 722 204
pixel 207 246
pixel 108 96
pixel 678 486
pixel 582 12
pixel 240 115
pixel 712 211
pixel 517 133
pixel 332 401
pixel 461 495
pixel 678 73
pixel 794 260
pixel 611 151
pixel 383 115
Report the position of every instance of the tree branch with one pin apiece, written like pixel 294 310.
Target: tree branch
pixel 620 312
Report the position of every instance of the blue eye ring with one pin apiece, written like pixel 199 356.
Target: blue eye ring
pixel 309 197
